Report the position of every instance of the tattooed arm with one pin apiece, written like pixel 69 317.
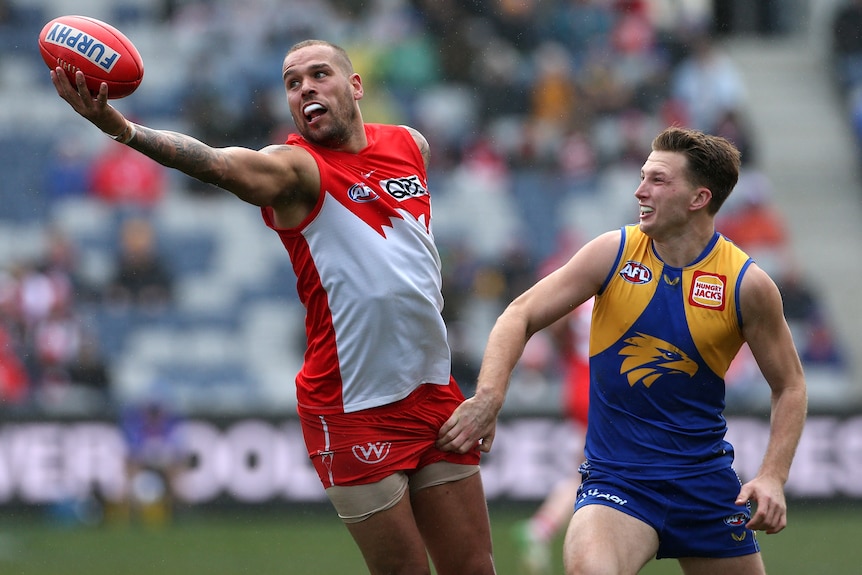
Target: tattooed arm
pixel 424 148
pixel 285 177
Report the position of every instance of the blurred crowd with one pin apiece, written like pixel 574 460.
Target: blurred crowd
pixel 539 115
pixel 846 61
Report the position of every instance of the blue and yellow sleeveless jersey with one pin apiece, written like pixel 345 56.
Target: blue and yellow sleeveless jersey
pixel 661 343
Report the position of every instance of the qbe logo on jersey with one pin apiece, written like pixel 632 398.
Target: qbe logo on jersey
pixel 404 188
pixel 91 48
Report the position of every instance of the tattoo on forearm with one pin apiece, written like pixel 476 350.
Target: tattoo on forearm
pixel 180 152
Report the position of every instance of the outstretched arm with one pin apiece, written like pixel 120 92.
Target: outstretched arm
pixel 768 335
pixel 275 176
pixel 543 304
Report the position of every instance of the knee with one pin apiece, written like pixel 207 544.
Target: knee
pixel 582 565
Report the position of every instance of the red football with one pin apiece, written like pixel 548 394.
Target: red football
pixel 99 50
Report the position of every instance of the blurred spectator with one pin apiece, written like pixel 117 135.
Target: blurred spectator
pixel 88 370
pixel 804 313
pixel 122 177
pixel 582 26
pixel 757 227
pixel 801 302
pixel 56 342
pixel 33 294
pixel 498 77
pixel 14 381
pixel 141 276
pixel 154 458
pixel 61 259
pixel 258 124
pixel 821 349
pixel 578 159
pixel 707 83
pixel 733 125
pixel 554 97
pixel 67 175
pixel 847 44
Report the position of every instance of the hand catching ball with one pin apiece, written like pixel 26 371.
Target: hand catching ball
pixel 97 49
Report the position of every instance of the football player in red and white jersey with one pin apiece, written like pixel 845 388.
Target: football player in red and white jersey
pixel 350 202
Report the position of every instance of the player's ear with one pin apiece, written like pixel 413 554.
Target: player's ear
pixel 701 198
pixel 356 82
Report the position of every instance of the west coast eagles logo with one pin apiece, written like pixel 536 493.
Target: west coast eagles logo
pixel 648 358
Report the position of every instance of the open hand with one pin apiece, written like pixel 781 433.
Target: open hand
pixel 94 108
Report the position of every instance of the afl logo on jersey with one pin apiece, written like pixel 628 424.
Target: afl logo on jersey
pixel 361 193
pixel 636 273
pixel 708 290
pixel 736 520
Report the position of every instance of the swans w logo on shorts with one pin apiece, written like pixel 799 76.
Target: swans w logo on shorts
pixel 372 453
pixel 365 446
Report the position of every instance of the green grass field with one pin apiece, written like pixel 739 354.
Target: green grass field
pixel 293 541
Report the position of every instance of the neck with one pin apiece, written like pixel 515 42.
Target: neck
pixel 681 250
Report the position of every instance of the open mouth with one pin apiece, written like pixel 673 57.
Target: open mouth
pixel 313 111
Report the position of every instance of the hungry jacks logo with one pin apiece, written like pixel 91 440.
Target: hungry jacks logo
pixel 708 290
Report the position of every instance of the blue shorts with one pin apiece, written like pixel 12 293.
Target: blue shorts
pixel 693 516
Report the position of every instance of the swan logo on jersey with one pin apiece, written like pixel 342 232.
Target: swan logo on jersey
pixel 361 193
pixel 372 452
pixel 647 358
pixel 636 273
pixel 404 188
pixel 708 290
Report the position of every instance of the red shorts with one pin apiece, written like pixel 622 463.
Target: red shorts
pixel 366 446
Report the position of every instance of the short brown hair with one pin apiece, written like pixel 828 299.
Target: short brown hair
pixel 342 58
pixel 712 161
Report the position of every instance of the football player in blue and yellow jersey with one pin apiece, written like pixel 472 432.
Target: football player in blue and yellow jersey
pixel 674 302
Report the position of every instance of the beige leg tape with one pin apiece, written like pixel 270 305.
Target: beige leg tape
pixel 357 503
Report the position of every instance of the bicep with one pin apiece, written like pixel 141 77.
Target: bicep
pixel 766 330
pixel 269 177
pixel 572 284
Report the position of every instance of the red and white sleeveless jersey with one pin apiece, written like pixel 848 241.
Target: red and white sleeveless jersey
pixel 368 274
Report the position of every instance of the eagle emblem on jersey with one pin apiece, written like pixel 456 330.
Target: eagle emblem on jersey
pixel 647 358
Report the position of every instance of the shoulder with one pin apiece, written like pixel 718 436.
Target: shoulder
pixel 759 296
pixel 292 156
pixel 421 143
pixel 596 259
